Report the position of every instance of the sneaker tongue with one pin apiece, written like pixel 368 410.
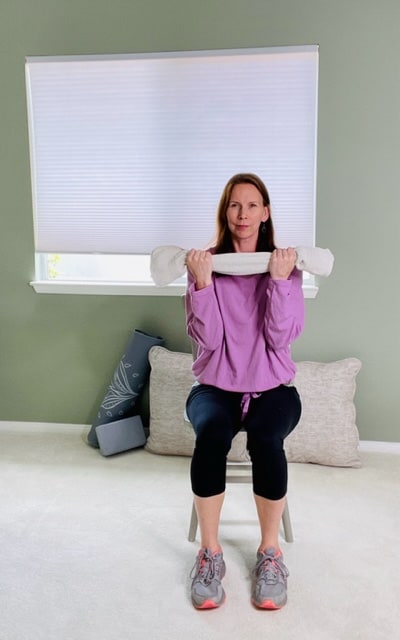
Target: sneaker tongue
pixel 271 551
pixel 207 551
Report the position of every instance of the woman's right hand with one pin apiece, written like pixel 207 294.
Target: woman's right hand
pixel 199 264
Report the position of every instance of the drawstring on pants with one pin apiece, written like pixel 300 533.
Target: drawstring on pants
pixel 245 403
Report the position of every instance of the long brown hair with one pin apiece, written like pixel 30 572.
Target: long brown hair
pixel 265 240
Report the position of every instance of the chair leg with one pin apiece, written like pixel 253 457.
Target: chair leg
pixel 193 524
pixel 286 521
pixel 287 524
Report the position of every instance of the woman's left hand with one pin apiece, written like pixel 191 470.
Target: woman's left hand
pixel 282 263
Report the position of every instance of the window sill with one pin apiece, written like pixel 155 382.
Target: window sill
pixel 106 288
pixel 123 288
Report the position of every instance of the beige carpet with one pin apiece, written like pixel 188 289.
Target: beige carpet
pixel 96 548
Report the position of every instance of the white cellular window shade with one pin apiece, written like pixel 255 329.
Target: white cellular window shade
pixel 129 152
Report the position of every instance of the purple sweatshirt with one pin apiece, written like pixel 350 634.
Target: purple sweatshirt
pixel 243 327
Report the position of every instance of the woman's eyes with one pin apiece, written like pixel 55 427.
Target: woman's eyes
pixel 234 205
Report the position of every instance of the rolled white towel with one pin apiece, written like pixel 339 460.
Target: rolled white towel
pixel 168 263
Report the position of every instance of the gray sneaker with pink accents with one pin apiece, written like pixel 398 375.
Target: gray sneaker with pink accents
pixel 269 580
pixel 207 573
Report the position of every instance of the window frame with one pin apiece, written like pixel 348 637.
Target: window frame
pixel 43 284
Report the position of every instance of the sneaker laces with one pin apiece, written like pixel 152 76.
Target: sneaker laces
pixel 207 566
pixel 269 569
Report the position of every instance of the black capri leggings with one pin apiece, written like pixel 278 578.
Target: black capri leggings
pixel 216 418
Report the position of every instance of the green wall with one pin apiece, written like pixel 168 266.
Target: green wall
pixel 57 352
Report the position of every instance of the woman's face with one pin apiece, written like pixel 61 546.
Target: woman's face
pixel 244 215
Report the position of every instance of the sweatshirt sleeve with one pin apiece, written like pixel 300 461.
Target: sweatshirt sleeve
pixel 203 317
pixel 285 310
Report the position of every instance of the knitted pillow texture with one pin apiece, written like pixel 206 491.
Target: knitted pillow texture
pixel 326 434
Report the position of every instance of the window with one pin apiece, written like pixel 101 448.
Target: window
pixel 130 152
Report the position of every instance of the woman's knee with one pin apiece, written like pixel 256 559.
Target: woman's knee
pixel 269 467
pixel 213 437
pixel 208 470
pixel 263 445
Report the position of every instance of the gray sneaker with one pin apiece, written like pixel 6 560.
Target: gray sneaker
pixel 269 580
pixel 207 573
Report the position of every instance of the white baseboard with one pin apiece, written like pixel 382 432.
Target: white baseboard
pixel 371 446
pixel 42 427
pixel 375 446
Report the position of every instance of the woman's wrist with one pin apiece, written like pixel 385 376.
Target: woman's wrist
pixel 201 284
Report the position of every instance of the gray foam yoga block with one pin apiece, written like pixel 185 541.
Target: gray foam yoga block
pixel 121 435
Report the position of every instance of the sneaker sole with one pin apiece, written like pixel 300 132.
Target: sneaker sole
pixel 268 604
pixel 209 604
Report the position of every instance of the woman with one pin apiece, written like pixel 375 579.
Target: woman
pixel 243 327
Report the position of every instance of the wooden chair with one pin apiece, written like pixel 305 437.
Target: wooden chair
pixel 238 472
